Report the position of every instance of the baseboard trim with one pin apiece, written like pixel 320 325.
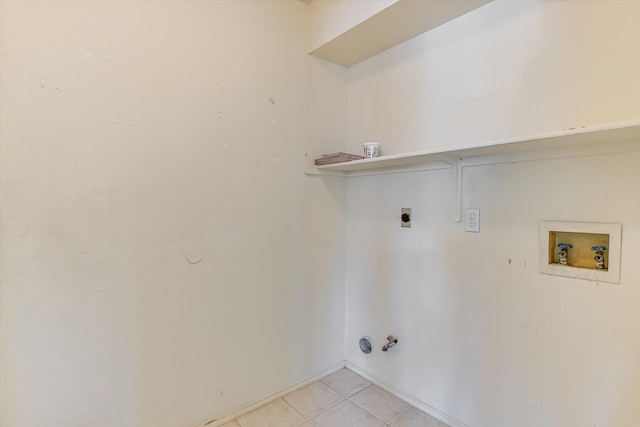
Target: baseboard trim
pixel 218 421
pixel 424 407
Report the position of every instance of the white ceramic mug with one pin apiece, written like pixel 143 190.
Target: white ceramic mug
pixel 371 150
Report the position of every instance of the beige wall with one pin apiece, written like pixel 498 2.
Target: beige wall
pixel 484 341
pixel 136 132
pixel 131 133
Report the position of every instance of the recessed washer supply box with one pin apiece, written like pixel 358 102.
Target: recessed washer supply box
pixel 581 238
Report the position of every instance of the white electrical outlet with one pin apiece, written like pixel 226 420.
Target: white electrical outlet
pixel 472 220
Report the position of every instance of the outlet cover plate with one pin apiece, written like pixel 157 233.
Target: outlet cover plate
pixel 472 220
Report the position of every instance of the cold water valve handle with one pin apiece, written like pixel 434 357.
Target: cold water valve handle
pixel 599 250
pixel 391 341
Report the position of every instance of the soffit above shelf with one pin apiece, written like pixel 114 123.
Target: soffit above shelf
pixel 393 25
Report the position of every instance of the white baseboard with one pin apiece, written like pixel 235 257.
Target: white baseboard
pixel 424 407
pixel 218 421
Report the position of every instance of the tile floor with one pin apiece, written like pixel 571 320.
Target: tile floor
pixel 342 399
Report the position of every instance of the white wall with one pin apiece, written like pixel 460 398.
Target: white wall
pixel 482 340
pixel 509 68
pixel 132 132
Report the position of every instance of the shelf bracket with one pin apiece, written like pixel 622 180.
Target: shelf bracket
pixel 456 165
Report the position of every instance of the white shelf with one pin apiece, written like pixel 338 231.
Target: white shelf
pixel 591 140
pixel 393 25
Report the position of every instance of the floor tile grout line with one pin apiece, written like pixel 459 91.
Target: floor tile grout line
pixel 360 391
pixel 369 383
pixel 305 419
pixel 352 394
pixel 346 397
pixel 292 407
pixel 342 399
pixel 326 410
pixel 401 414
pixel 373 415
pixel 351 401
pixel 383 421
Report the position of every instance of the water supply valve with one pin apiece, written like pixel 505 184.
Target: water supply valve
pixel 599 250
pixel 391 341
pixel 564 252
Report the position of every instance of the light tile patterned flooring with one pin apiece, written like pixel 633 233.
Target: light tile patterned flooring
pixel 342 399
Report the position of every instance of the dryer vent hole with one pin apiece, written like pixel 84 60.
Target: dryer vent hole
pixel 365 345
